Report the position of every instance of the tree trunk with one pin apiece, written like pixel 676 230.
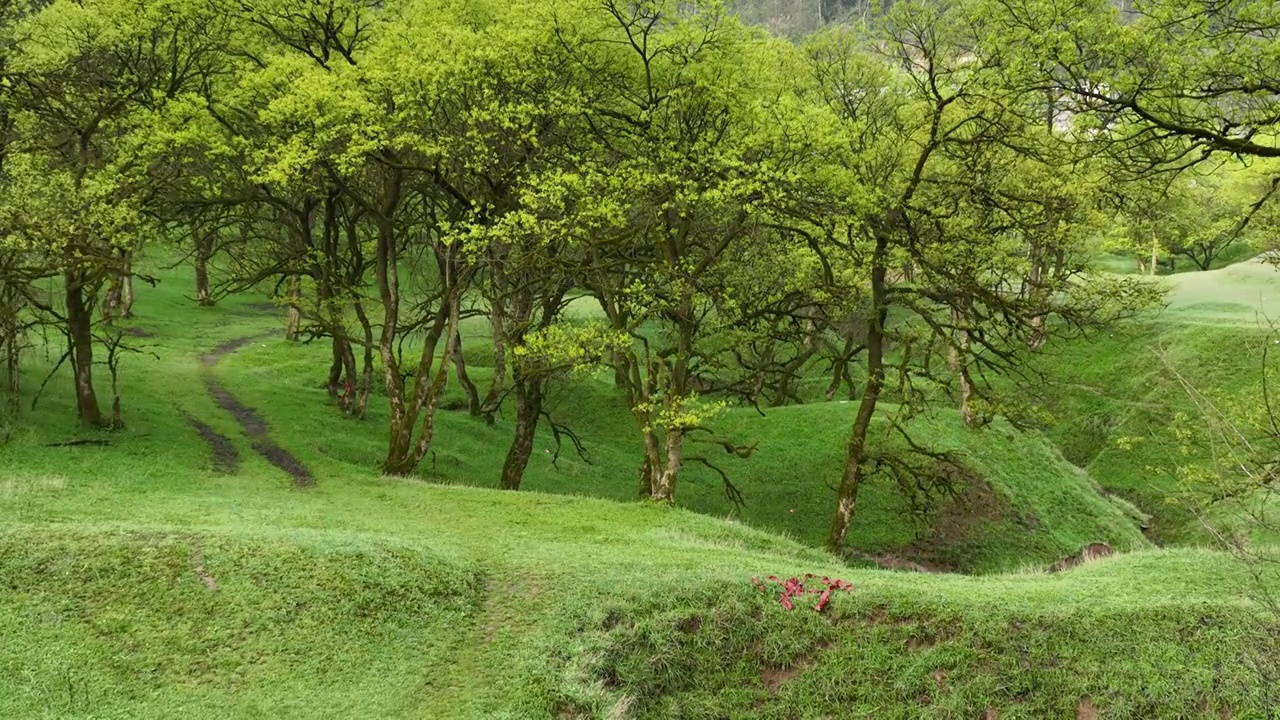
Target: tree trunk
pixel 204 249
pixel 460 370
pixel 342 383
pixel 528 397
pixel 650 466
pixel 664 487
pixel 667 473
pixel 497 323
pixel 126 286
pixel 1155 253
pixel 294 327
pixel 960 363
pixel 14 378
pixel 80 336
pixel 840 371
pixel 366 369
pixel 855 458
pixel 403 453
pixel 111 303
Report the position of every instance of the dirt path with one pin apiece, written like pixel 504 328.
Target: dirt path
pixel 250 421
pixel 226 459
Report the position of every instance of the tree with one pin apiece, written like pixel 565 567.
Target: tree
pixel 925 197
pixel 680 124
pixel 84 79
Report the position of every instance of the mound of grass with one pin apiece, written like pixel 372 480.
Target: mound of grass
pixel 1104 638
pixel 481 604
pixel 155 623
pixel 1121 406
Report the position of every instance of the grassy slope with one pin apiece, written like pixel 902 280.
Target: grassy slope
pixel 371 597
pixel 1047 508
pixel 1119 399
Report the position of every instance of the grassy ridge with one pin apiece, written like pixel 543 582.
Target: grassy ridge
pixel 1120 404
pixel 109 623
pixel 650 615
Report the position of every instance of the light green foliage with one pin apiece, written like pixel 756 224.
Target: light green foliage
pixel 1198 216
pixel 658 233
pixel 579 347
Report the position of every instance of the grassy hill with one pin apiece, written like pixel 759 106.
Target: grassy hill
pixel 139 580
pixel 366 597
pixel 1119 402
pixel 1026 506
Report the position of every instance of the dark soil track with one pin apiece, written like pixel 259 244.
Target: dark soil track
pixel 250 421
pixel 226 459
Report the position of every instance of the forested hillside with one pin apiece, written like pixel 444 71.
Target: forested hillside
pixel 605 358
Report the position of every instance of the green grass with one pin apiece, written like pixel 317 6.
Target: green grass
pixel 1046 508
pixel 1119 401
pixel 1127 263
pixel 135 582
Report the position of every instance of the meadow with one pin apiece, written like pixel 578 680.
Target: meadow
pixel 141 581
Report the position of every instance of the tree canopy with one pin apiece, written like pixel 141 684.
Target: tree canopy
pixel 910 196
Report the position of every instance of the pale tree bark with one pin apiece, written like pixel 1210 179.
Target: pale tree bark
pixel 413 408
pixel 499 383
pixel 127 295
pixel 293 327
pixel 204 251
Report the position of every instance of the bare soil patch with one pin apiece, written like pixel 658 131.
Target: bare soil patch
pixel 250 421
pixel 773 678
pixel 197 564
pixel 226 459
pixel 213 356
pixel 960 519
pixel 258 431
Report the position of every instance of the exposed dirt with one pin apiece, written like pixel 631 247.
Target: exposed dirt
pixel 254 426
pixel 197 564
pixel 257 430
pixel 773 678
pixel 896 561
pixel 977 505
pixel 1085 710
pixel 1086 554
pixel 226 459
pixel 973 509
pixel 137 332
pixel 213 356
pixel 250 421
